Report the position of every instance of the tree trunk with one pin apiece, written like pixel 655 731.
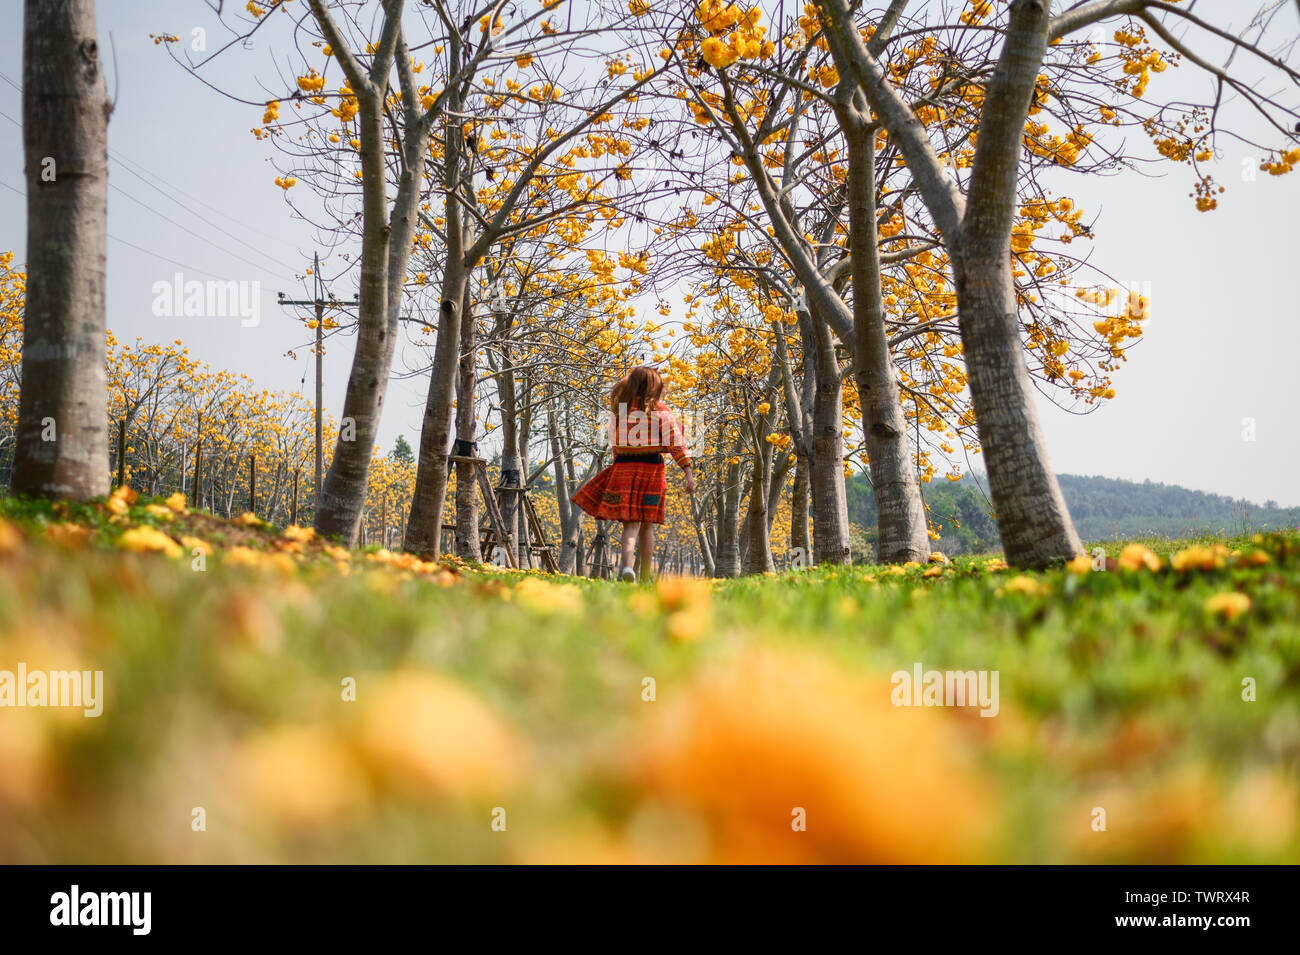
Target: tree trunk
pixel 800 546
pixel 901 528
pixel 523 538
pixel 61 448
pixel 385 251
pixel 776 486
pixel 467 538
pixel 570 514
pixel 758 556
pixel 727 558
pixel 702 539
pixel 511 466
pixel 830 507
pixel 424 526
pixel 1033 521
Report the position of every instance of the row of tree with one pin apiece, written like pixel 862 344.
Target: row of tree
pixel 854 210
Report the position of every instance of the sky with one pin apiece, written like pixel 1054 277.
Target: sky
pixel 1206 399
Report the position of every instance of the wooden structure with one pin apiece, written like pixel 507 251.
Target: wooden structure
pixel 494 534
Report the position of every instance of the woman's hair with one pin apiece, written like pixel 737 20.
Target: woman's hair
pixel 642 384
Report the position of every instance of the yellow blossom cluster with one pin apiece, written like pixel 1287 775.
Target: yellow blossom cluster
pixel 1283 164
pixel 1140 60
pixel 734 34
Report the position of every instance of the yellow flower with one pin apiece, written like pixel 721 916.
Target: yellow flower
pixel 688 603
pixel 683 593
pixel 685 626
pixel 327 782
pixel 29 759
pixel 1198 557
pixel 1260 813
pixel 177 503
pixel 717 53
pixel 642 604
pixel 249 519
pixel 425 735
pixel 1158 821
pixel 301 534
pixel 71 536
pixel 1137 557
pixel 537 595
pixel 1022 585
pixel 243 557
pixel 148 539
pixel 11 539
pixel 1080 565
pixel 767 736
pixel 1229 605
pixel 120 501
pixel 192 544
pixel 160 512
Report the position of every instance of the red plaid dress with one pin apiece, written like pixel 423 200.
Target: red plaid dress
pixel 633 487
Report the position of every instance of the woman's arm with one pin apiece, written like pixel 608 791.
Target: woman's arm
pixel 674 439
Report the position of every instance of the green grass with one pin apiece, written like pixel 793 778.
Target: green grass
pixel 1118 689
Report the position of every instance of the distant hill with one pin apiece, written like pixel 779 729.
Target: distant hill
pixel 1103 509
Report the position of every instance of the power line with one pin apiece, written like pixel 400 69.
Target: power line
pixel 159 255
pixel 153 186
pixel 184 228
pixel 125 163
pixel 138 248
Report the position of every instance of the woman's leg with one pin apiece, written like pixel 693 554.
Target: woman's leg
pixel 628 542
pixel 647 538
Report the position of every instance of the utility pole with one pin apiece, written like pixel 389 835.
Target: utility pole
pixel 319 302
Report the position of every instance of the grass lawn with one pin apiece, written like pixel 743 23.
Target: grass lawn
pixel 268 697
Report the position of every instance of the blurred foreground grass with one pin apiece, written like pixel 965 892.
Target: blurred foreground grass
pixel 515 718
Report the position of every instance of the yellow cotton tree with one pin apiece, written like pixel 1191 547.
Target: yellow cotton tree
pixel 13 296
pixel 1045 104
pixel 1073 348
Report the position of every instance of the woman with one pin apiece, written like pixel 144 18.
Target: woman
pixel 631 490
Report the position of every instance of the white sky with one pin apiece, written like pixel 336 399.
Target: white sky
pixel 1221 345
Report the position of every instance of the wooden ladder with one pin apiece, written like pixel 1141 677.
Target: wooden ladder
pixel 497 523
pixel 535 530
pixel 545 549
